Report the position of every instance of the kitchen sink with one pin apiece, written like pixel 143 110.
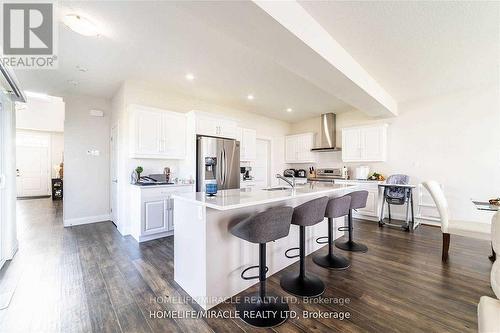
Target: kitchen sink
pixel 282 188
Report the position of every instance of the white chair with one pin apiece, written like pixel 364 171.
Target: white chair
pixel 488 309
pixel 454 227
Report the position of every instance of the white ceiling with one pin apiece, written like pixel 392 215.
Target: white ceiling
pixel 159 42
pixel 411 49
pixel 417 49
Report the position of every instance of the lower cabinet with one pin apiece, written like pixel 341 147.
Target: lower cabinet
pixel 157 217
pixel 152 211
pixel 373 202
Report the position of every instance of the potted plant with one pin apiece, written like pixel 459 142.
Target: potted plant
pixel 139 170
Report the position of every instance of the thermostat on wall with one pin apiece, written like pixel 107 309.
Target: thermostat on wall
pixel 96 113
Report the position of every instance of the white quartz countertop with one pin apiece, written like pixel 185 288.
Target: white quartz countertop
pixel 238 198
pixel 142 187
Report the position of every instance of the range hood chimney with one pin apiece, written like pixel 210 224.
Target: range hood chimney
pixel 328 133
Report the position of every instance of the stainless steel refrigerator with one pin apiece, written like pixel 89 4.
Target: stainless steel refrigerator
pixel 217 162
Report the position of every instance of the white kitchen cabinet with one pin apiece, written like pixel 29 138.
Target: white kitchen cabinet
pixel 373 202
pixel 364 144
pixel 156 133
pixel 156 216
pixel 248 144
pixel 215 126
pixel 298 148
pixel 152 210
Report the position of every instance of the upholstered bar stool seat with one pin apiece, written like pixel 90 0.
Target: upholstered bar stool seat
pixel 302 284
pixel 358 200
pixel 337 207
pixel 262 309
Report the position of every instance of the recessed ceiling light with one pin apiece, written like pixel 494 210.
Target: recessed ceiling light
pixel 81 25
pixel 289 110
pixel 189 76
pixel 250 97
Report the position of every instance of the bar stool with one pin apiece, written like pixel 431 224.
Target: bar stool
pixel 261 309
pixel 307 214
pixel 337 207
pixel 358 200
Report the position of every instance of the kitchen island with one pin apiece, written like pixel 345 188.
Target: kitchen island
pixel 208 260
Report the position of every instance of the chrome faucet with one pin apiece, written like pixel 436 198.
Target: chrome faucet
pixel 291 183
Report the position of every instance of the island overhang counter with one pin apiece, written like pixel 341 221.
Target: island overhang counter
pixel 208 260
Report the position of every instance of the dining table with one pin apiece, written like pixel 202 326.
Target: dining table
pixel 486 206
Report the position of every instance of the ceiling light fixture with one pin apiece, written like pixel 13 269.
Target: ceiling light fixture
pixel 81 25
pixel 289 110
pixel 250 97
pixel 189 77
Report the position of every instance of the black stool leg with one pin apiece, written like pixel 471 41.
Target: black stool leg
pixel 350 245
pixel 262 310
pixel 331 260
pixel 302 285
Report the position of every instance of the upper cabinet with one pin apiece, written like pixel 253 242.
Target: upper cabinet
pixel 215 126
pixel 364 144
pixel 298 148
pixel 248 144
pixel 156 133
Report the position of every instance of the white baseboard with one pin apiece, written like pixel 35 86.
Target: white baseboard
pixel 86 220
pixel 146 238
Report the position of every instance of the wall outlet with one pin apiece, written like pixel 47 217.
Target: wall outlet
pixel 93 152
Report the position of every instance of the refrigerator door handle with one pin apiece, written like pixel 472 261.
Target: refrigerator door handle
pixel 221 168
pixel 224 167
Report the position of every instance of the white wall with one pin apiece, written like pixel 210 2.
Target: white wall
pixel 42 114
pixel 86 177
pixel 150 95
pixel 454 139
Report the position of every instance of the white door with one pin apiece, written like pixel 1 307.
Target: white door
pixel 32 164
pixel 114 174
pixel 262 164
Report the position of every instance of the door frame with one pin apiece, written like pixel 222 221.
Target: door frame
pixel 114 215
pixel 270 152
pixel 49 157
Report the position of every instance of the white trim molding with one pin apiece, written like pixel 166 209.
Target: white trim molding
pixel 87 220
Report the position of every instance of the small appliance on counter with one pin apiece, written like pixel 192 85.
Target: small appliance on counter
pixel 362 172
pixel 245 173
pixel 329 174
pixel 299 174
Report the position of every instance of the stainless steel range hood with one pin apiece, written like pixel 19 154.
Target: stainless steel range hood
pixel 328 133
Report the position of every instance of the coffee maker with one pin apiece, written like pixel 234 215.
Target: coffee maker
pixel 245 172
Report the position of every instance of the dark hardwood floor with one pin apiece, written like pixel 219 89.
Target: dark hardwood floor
pixel 90 279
